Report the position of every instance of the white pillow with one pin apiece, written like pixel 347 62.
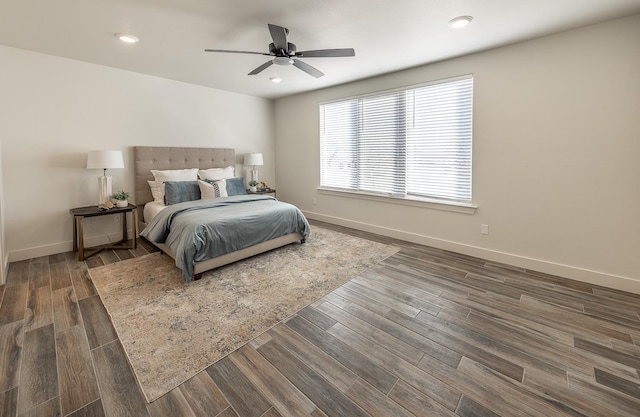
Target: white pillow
pixel 215 174
pixel 157 191
pixel 175 174
pixel 212 190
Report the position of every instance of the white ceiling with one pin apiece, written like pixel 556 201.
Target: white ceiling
pixel 387 35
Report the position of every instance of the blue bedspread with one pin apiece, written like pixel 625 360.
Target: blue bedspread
pixel 203 229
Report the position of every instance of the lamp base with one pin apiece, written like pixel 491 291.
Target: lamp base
pixel 254 175
pixel 105 189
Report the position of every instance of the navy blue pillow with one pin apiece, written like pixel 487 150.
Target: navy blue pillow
pixel 179 191
pixel 235 186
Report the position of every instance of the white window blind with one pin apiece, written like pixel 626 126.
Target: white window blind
pixel 412 142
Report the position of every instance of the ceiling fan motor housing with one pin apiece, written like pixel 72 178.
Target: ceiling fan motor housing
pixel 291 50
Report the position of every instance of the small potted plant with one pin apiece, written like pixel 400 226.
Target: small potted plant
pixel 253 186
pixel 122 198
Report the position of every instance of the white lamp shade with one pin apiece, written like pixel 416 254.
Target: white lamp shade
pixel 104 160
pixel 253 159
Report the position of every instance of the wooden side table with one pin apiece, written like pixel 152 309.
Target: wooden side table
pixel 80 213
pixel 270 191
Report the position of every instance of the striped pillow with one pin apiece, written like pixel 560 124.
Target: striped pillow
pixel 212 189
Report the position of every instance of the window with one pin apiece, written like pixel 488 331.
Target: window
pixel 411 143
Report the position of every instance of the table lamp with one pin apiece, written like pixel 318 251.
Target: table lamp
pixel 253 159
pixel 104 160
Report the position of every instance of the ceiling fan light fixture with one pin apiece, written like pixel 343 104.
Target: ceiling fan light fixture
pixel 282 60
pixel 460 22
pixel 275 80
pixel 125 37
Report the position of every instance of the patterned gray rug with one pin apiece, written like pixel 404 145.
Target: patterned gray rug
pixel 171 330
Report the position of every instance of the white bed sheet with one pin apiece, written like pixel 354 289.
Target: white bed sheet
pixel 151 209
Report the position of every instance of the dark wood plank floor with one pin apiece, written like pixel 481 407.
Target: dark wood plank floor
pixel 425 333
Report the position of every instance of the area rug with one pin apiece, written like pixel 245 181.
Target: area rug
pixel 171 330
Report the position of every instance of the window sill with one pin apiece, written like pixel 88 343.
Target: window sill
pixel 452 206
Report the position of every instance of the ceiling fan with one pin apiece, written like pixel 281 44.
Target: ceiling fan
pixel 285 53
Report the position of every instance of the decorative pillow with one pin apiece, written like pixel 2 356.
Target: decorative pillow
pixel 212 189
pixel 235 186
pixel 179 191
pixel 157 190
pixel 175 174
pixel 216 173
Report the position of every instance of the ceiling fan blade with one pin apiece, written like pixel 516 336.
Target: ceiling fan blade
pixel 279 36
pixel 236 52
pixel 321 53
pixel 261 68
pixel 307 68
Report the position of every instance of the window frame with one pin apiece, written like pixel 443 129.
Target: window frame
pixel 467 207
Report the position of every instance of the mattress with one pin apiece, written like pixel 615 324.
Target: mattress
pixel 151 209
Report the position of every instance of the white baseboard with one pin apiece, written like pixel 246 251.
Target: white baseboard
pixel 567 271
pixel 61 247
pixel 5 269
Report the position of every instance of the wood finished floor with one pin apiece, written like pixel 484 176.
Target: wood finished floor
pixel 426 333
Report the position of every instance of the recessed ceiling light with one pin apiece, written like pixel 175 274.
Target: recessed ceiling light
pixel 124 37
pixel 460 21
pixel 275 79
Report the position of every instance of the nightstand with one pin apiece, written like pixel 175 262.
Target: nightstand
pixel 271 191
pixel 80 213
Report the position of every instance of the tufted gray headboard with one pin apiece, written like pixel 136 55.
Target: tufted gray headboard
pixel 147 158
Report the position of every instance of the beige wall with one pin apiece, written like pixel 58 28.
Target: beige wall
pixel 555 168
pixel 53 110
pixel 4 260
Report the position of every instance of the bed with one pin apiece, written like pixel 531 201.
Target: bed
pixel 147 158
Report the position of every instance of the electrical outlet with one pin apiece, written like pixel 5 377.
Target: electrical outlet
pixel 315 200
pixel 484 229
pixel 117 217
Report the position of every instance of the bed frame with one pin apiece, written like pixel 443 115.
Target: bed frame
pixel 147 158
